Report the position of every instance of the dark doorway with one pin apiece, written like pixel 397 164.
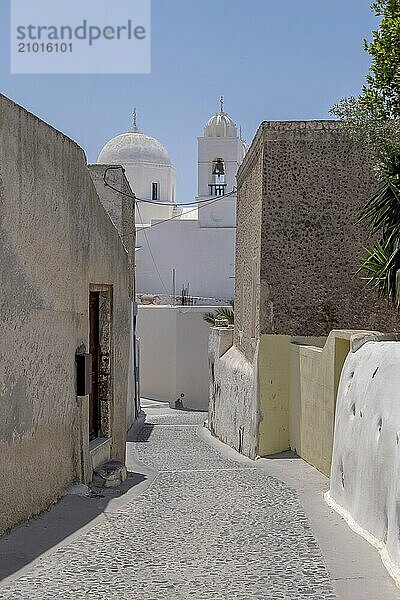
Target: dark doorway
pixel 94 349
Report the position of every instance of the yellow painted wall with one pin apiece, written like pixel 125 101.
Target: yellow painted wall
pixel 314 378
pixel 298 380
pixel 273 386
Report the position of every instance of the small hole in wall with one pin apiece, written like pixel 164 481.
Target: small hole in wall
pixel 380 425
pixel 240 431
pixel 212 369
pixel 398 437
pixel 385 530
pixel 341 473
pixel 361 414
pixel 353 410
pixel 352 374
pixel 375 372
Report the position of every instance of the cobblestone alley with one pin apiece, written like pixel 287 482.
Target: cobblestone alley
pixel 200 525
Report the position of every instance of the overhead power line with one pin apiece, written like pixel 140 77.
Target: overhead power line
pixel 203 203
pixel 177 216
pixel 134 197
pixel 152 255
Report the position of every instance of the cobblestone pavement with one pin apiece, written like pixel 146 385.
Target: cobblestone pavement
pixel 206 528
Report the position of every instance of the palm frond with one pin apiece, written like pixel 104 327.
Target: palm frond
pixel 382 212
pixel 221 312
pixel 382 216
pixel 209 318
pixel 382 267
pixel 225 313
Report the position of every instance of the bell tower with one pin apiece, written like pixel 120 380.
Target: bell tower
pixel 220 152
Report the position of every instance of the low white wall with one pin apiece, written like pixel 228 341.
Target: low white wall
pixel 173 354
pixel 192 362
pixel 233 406
pixel 156 329
pixel 365 484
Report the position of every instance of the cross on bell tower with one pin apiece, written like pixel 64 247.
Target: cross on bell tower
pixel 134 127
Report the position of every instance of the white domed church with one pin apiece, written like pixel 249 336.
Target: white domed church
pixel 148 169
pixel 195 247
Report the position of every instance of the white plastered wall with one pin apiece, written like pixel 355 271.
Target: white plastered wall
pixel 365 486
pixel 173 354
pixel 202 257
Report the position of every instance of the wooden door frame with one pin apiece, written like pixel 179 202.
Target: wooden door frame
pixel 94 349
pixel 105 379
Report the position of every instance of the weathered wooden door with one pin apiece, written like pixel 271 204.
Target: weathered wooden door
pixel 94 349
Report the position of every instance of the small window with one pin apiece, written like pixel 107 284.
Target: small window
pixel 154 191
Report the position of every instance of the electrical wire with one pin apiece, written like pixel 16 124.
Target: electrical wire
pixel 151 253
pixel 203 203
pixel 176 216
pixel 135 198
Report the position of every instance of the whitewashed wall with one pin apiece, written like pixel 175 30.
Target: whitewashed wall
pixel 202 256
pixel 365 482
pixel 233 395
pixel 174 354
pixel 141 175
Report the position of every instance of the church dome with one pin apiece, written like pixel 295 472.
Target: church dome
pixel 134 147
pixel 220 125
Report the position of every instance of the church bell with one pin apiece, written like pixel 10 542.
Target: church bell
pixel 219 168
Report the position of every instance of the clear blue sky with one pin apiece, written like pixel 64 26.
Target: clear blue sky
pixel 282 59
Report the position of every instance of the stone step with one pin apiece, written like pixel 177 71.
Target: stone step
pixel 110 474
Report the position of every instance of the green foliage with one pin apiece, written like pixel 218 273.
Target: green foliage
pixel 382 265
pixel 221 313
pixel 382 91
pixel 365 126
pixel 382 212
pixel 382 216
pixel 373 119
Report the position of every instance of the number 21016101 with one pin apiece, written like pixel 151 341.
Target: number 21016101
pixel 45 47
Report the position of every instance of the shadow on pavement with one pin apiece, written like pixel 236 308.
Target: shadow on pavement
pixel 286 454
pixel 143 435
pixel 27 542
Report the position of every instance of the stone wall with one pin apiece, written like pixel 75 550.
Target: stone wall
pixel 300 190
pixel 248 248
pixel 56 240
pixel 234 414
pixel 315 180
pixel 117 199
